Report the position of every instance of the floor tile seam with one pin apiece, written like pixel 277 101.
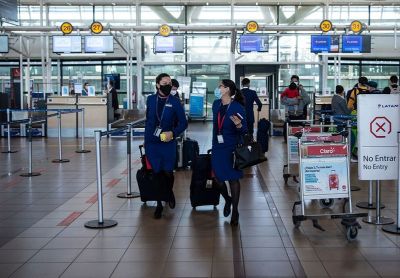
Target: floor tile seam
pixel 268 199
pixel 24 263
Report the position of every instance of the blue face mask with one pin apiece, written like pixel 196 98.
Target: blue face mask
pixel 217 93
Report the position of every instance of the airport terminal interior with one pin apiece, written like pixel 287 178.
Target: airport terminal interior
pixel 76 80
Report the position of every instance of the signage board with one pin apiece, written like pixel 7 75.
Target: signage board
pixel 252 26
pixel 325 25
pixel 325 43
pixel 96 27
pixel 378 123
pixel 254 43
pixel 165 30
pixel 66 28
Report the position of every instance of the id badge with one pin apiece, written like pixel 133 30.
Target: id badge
pixel 157 132
pixel 220 138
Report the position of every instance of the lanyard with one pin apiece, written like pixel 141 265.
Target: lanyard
pixel 162 113
pixel 220 121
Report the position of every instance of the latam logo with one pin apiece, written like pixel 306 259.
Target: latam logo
pixel 388 105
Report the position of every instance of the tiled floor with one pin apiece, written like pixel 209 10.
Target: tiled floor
pixel 42 220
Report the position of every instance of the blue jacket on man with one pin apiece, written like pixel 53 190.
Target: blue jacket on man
pixel 250 97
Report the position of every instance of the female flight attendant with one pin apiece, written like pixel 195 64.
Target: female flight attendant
pixel 229 126
pixel 165 119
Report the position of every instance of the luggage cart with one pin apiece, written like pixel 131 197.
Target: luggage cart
pixel 325 175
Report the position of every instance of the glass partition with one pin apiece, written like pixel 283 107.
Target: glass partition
pixel 151 15
pixel 79 72
pixel 261 14
pixel 209 15
pixel 300 15
pixel 380 71
pixel 208 48
pixel 150 73
pixel 294 47
pixel 346 14
pixel 381 15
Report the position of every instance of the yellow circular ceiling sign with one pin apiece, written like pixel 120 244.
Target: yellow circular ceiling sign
pixel 252 26
pixel 66 28
pixel 96 27
pixel 165 30
pixel 325 25
pixel 356 26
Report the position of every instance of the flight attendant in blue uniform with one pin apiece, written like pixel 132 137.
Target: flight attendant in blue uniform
pixel 165 119
pixel 229 126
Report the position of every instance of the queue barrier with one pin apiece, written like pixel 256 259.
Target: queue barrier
pixel 100 222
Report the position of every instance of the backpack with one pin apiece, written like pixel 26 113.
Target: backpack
pixel 263 132
pixel 357 91
pixel 394 90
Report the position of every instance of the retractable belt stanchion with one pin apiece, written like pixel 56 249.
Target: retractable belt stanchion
pixel 129 193
pixel 30 173
pixel 82 150
pixel 60 159
pixel 378 219
pixel 352 187
pixel 395 228
pixel 100 223
pixel 370 204
pixel 9 133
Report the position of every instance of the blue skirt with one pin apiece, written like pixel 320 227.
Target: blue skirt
pixel 162 156
pixel 222 164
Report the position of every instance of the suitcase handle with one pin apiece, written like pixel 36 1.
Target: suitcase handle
pixel 141 147
pixel 209 151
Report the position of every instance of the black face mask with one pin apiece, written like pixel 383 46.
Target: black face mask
pixel 166 89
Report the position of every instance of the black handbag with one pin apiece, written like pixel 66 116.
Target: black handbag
pixel 248 154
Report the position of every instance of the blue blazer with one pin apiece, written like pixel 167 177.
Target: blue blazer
pixel 251 97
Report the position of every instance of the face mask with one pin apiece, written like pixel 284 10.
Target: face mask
pixel 217 93
pixel 173 92
pixel 165 89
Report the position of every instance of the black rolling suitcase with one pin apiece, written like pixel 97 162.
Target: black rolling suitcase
pixel 190 150
pixel 263 132
pixel 151 188
pixel 203 189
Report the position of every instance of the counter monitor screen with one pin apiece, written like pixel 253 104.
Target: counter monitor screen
pixel 324 43
pixel 4 44
pixel 356 44
pixel 99 44
pixel 254 43
pixel 170 44
pixel 67 44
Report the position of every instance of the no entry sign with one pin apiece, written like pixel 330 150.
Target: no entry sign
pixel 378 121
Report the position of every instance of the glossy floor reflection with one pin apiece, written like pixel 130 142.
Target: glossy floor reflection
pixel 42 218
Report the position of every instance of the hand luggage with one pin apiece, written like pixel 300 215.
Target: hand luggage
pixel 151 187
pixel 203 189
pixel 190 150
pixel 263 133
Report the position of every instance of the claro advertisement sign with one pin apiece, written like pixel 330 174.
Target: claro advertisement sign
pixel 378 121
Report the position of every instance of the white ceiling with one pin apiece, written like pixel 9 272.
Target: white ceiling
pixel 211 2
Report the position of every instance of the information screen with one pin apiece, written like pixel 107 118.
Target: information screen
pixel 67 44
pixel 356 44
pixel 4 44
pixel 324 43
pixel 254 43
pixel 170 44
pixel 99 44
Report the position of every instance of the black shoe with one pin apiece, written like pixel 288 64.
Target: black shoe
pixel 172 202
pixel 235 219
pixel 158 212
pixel 227 207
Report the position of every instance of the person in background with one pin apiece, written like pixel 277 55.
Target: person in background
pixel 114 97
pixel 85 90
pixel 175 87
pixel 165 120
pixel 372 87
pixel 304 99
pixel 339 105
pixel 291 97
pixel 360 87
pixel 229 125
pixel 393 87
pixel 250 96
pixel 71 89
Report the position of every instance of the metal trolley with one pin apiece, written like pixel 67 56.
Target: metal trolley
pixel 324 169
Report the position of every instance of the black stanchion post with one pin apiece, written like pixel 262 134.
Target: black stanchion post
pixel 82 150
pixel 395 228
pixel 9 133
pixel 30 173
pixel 60 159
pixel 352 187
pixel 129 193
pixel 100 223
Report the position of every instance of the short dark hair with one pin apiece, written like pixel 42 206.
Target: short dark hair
pixel 245 81
pixel 363 80
pixel 295 76
pixel 86 83
pixel 175 83
pixel 161 76
pixel 111 82
pixel 339 89
pixel 394 79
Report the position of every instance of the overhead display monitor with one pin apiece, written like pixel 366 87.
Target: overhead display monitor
pixel 254 43
pixel 4 44
pixel 325 43
pixel 170 44
pixel 99 44
pixel 67 44
pixel 356 44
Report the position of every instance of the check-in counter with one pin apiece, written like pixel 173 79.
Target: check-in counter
pixel 96 115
